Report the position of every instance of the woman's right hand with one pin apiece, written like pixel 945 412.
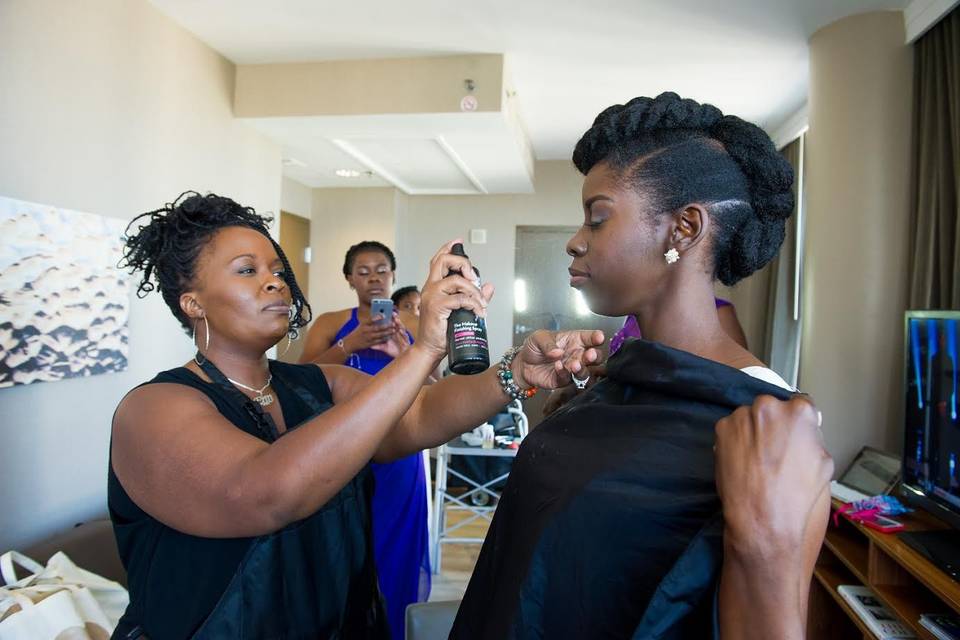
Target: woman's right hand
pixel 368 334
pixel 399 340
pixel 444 292
pixel 773 478
pixel 773 475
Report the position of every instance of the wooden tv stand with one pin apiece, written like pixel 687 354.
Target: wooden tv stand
pixel 907 583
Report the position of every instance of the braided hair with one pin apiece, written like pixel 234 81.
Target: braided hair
pixel 685 152
pixel 364 247
pixel 168 241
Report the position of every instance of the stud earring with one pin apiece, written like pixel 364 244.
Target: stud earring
pixel 672 255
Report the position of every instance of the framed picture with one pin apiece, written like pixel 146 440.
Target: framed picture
pixel 64 303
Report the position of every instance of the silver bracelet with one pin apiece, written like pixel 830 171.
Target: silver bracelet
pixel 505 375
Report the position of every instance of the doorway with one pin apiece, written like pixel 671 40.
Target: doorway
pixel 543 298
pixel 295 242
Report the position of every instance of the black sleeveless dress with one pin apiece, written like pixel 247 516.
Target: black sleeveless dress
pixel 313 579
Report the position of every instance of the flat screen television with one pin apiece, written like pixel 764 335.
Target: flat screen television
pixel 931 445
pixel 931 450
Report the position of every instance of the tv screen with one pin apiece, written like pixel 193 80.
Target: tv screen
pixel 931 452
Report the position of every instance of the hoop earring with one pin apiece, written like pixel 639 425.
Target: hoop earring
pixel 206 346
pixel 292 334
pixel 286 348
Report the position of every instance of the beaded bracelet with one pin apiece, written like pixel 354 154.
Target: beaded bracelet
pixel 505 375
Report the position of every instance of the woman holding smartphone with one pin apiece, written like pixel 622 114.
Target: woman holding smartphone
pixel 361 338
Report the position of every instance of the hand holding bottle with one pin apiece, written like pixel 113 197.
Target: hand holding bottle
pixel 444 292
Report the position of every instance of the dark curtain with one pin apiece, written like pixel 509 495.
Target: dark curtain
pixel 935 247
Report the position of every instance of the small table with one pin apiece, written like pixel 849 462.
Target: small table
pixel 440 533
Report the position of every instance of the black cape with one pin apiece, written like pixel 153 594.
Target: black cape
pixel 610 525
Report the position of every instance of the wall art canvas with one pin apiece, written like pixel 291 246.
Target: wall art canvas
pixel 63 302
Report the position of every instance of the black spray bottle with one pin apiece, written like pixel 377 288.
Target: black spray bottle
pixel 467 335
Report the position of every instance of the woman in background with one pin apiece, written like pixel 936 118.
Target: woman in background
pixel 401 541
pixel 407 301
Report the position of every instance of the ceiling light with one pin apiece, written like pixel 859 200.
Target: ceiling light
pixel 347 173
pixel 293 162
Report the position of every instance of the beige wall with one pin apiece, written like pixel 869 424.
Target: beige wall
pixel 344 217
pixel 418 225
pixel 362 87
pixel 296 198
pixel 858 167
pixel 111 108
pixel 431 221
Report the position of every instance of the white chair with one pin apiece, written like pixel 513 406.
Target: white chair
pixel 440 532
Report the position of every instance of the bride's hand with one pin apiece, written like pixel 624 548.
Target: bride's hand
pixel 549 360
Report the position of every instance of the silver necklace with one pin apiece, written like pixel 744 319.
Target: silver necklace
pixel 262 398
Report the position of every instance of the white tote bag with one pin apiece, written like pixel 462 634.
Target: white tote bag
pixel 58 602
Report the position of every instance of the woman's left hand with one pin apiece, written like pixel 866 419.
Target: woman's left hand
pixel 548 360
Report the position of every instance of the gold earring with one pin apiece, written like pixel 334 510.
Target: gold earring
pixel 286 348
pixel 292 334
pixel 206 346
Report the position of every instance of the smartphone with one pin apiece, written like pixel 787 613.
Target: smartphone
pixel 884 524
pixel 381 310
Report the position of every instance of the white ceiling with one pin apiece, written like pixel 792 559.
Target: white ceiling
pixel 568 59
pixel 437 154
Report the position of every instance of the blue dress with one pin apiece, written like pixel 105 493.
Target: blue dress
pixel 400 536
